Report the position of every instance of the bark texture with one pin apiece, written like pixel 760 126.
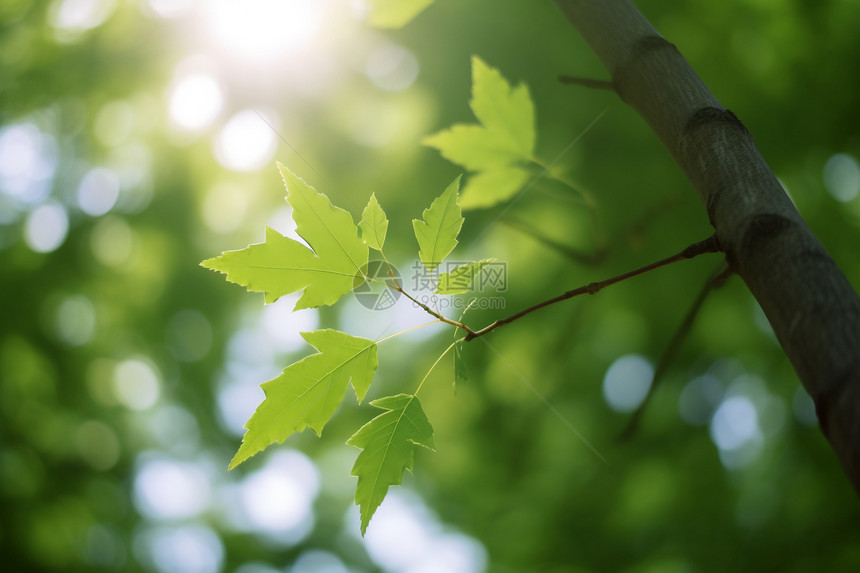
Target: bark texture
pixel 813 309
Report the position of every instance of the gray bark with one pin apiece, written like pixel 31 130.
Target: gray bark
pixel 813 309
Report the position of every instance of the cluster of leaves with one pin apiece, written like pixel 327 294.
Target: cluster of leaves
pixel 308 392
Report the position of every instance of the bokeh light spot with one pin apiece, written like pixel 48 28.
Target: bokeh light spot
pixel 165 489
pixel 283 326
pixel 405 536
pixel 195 101
pixel 75 320
pixel 626 382
pixel 98 191
pixel 842 177
pixel 392 68
pixel 278 498
pixel 735 423
pixel 136 384
pixel 185 549
pixel 28 159
pixel 72 17
pixel 246 142
pixel 47 227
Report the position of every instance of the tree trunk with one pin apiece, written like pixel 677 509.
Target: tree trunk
pixel 813 309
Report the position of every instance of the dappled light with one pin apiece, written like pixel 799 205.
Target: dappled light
pixel 151 149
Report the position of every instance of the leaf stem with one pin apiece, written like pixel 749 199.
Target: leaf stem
pixel 410 329
pixel 709 245
pixel 438 360
pixel 437 314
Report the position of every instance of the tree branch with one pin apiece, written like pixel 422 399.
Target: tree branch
pixel 709 245
pixel 715 281
pixel 810 304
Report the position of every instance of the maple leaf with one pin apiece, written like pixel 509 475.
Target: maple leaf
pixel 282 265
pixel 437 233
pixel 506 136
pixel 373 224
pixel 388 442
pixel 460 279
pixel 395 13
pixel 308 392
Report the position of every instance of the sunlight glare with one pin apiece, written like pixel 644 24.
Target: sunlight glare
pixel 195 101
pixel 258 30
pixel 246 143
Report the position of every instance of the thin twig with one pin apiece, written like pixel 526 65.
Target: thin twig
pixel 438 315
pixel 589 83
pixel 715 281
pixel 710 245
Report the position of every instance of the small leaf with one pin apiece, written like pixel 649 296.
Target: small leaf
pixel 473 147
pixel 388 443
pixel 506 136
pixel 281 265
pixel 373 224
pixel 308 392
pixel 437 233
pixel 460 279
pixel 395 13
pixel 507 112
pixel 493 186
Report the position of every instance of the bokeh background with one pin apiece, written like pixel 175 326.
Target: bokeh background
pixel 138 137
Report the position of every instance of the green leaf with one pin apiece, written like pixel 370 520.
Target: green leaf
pixel 437 233
pixel 473 147
pixel 460 279
pixel 388 443
pixel 493 186
pixel 395 13
pixel 373 224
pixel 505 111
pixel 308 392
pixel 281 265
pixel 505 136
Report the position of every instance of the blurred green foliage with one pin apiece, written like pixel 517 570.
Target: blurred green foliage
pixel 134 143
